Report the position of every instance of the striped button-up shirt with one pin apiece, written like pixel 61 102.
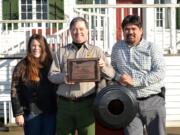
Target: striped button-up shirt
pixel 59 69
pixel 144 63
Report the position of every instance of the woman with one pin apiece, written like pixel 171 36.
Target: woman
pixel 33 96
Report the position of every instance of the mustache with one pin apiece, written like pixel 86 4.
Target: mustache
pixel 130 35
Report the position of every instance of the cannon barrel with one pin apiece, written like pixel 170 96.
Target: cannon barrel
pixel 115 106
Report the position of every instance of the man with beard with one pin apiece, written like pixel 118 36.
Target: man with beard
pixel 140 66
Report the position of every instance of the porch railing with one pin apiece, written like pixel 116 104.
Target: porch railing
pixel 159 23
pixel 14 34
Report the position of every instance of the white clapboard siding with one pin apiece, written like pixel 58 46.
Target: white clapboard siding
pixel 173 118
pixel 172 104
pixel 172 83
pixel 174 92
pixel 6 69
pixel 172 79
pixel 175 98
pixel 173 111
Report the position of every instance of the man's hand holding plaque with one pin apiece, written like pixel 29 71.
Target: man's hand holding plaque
pixel 101 63
pixel 66 80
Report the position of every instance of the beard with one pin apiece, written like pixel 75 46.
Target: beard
pixel 130 39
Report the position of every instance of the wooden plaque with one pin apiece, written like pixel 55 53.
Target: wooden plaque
pixel 83 70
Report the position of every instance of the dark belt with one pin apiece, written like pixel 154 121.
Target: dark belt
pixel 77 99
pixel 161 94
pixel 144 98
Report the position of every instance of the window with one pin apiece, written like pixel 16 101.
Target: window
pixel 159 17
pixel 159 13
pixel 26 9
pixel 178 16
pixel 40 9
pixel 162 14
pixel 84 1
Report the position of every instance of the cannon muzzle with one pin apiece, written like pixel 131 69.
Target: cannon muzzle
pixel 115 106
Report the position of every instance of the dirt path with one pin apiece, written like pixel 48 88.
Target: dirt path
pixel 170 131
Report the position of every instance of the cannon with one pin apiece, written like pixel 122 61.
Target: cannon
pixel 115 106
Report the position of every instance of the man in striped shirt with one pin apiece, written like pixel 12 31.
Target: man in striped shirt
pixel 140 66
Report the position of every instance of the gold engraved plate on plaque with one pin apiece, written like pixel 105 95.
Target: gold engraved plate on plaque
pixel 83 70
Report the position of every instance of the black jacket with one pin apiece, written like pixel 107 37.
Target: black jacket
pixel 30 96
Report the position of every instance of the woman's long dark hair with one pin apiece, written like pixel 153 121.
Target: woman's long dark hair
pixel 33 64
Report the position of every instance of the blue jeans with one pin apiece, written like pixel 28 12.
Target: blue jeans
pixel 42 124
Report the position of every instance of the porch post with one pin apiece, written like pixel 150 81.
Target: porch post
pixel 69 8
pixel 173 49
pixel 149 26
pixel 1 13
pixel 34 10
pixel 178 16
pixel 111 23
pixel 1 9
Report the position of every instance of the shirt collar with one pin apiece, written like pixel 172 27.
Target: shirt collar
pixel 138 45
pixel 85 45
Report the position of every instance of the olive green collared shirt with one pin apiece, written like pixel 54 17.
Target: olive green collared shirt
pixel 59 69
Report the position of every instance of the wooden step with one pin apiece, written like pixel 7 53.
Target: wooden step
pixel 13 127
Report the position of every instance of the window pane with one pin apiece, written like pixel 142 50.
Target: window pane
pixel 161 16
pixel 23 1
pixel 23 8
pixel 158 15
pixel 161 23
pixel 159 1
pixel 38 8
pixel 84 1
pixel 162 1
pixel 161 9
pixel 29 8
pixel 44 8
pixel 29 1
pixel 39 25
pixel 157 23
pixel 38 15
pixel 38 1
pixel 158 9
pixel 23 15
pixel 44 1
pixel 29 15
pixel 100 1
pixel 44 15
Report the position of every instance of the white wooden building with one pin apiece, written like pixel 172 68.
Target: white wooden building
pixel 104 17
